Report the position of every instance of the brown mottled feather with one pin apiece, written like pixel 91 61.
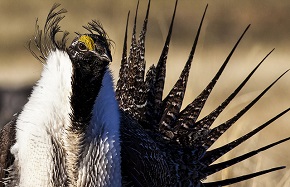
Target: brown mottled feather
pixel 181 142
pixel 7 139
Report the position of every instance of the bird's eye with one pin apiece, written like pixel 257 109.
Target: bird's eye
pixel 82 47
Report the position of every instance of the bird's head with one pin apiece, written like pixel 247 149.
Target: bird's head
pixel 90 51
pixel 90 55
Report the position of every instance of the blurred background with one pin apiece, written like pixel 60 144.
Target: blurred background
pixel 224 23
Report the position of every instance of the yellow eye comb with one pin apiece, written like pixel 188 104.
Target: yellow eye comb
pixel 88 41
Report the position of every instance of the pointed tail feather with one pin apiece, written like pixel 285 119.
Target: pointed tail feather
pixel 131 84
pixel 150 115
pixel 132 60
pixel 207 121
pixel 192 111
pixel 140 65
pixel 138 71
pixel 161 67
pixel 172 103
pixel 219 130
pixel 215 154
pixel 220 166
pixel 241 178
pixel 124 68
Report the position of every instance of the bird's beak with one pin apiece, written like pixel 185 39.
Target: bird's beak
pixel 106 56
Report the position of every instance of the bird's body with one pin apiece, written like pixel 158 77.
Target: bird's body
pixel 43 135
pixel 43 120
pixel 74 131
pixel 68 132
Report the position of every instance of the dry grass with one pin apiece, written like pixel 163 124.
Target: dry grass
pixel 224 23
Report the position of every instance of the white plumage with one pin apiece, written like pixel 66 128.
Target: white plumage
pixel 47 116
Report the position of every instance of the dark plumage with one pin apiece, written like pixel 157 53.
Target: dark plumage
pixel 161 145
pixel 181 142
pixel 89 69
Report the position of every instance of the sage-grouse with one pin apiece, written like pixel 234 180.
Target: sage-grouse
pixel 74 130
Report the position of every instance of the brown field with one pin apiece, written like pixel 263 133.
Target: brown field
pixel 224 22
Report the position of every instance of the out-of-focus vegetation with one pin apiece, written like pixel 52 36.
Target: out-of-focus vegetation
pixel 224 22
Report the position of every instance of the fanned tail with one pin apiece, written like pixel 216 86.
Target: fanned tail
pixel 217 167
pixel 219 130
pixel 178 134
pixel 206 122
pixel 192 111
pixel 214 154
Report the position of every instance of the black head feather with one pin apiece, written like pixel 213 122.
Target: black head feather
pixel 90 55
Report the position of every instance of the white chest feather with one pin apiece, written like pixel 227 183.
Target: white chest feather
pixel 46 115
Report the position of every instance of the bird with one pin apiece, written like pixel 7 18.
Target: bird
pixel 77 130
pixel 71 121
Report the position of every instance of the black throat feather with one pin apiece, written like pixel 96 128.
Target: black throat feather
pixel 88 73
pixel 86 83
pixel 88 69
